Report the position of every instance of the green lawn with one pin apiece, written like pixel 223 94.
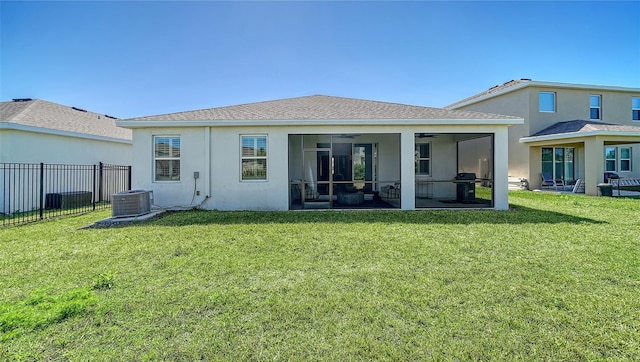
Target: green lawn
pixel 556 278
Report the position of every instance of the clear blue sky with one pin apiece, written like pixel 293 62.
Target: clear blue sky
pixel 141 58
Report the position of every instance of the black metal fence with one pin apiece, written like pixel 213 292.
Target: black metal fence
pixel 32 191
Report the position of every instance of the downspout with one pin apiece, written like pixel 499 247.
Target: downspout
pixel 207 165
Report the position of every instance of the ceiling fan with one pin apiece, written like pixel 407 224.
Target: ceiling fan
pixel 344 135
pixel 426 135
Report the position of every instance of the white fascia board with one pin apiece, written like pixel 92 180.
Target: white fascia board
pixel 21 127
pixel 584 86
pixel 562 136
pixel 542 85
pixel 314 122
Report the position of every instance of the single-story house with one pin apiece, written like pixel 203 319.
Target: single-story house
pixel 34 131
pixel 318 152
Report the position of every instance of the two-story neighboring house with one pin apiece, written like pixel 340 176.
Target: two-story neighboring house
pixel 570 132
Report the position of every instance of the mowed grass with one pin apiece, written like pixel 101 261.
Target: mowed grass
pixel 556 278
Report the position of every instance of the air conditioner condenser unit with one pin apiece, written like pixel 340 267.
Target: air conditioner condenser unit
pixel 131 203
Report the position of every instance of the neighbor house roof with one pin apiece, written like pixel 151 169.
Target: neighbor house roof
pixel 515 84
pixel 581 128
pixel 317 107
pixel 37 115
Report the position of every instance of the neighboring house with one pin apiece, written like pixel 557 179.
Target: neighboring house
pixel 34 131
pixel 570 131
pixel 317 152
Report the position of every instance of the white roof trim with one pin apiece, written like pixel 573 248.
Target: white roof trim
pixel 314 122
pixel 21 127
pixel 560 136
pixel 534 83
pixel 583 86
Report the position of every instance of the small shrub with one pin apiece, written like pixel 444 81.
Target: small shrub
pixel 104 280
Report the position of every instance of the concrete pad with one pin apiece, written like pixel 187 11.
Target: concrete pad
pixel 115 221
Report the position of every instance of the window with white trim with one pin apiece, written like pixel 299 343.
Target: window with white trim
pixel 253 155
pixel 595 107
pixel 547 102
pixel 423 158
pixel 166 156
pixel 635 109
pixel 625 158
pixel 610 159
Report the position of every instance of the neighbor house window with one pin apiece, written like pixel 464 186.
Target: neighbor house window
pixel 547 101
pixel 253 157
pixel 423 159
pixel 595 107
pixel 617 159
pixel 635 108
pixel 166 158
pixel 625 158
pixel 559 163
pixel 610 159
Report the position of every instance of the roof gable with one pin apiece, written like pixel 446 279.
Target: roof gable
pixel 320 107
pixel 52 116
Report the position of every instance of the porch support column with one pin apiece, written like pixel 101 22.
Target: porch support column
pixel 593 165
pixel 407 171
pixel 501 169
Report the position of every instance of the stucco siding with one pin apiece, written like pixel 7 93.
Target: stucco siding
pixel 229 191
pixel 214 152
pixel 192 159
pixel 31 147
pixel 573 104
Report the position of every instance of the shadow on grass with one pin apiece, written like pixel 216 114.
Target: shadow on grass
pixel 518 215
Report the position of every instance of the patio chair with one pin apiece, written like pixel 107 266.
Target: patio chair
pixel 548 181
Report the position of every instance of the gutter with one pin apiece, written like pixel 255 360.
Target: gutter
pixel 314 122
pixel 562 136
pixel 20 127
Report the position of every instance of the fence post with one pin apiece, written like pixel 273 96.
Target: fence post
pixel 94 188
pixel 128 177
pixel 41 190
pixel 101 180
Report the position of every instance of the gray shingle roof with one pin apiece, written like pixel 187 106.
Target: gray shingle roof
pixel 581 126
pixel 53 116
pixel 320 107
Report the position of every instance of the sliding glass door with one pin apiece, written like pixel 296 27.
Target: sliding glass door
pixel 558 162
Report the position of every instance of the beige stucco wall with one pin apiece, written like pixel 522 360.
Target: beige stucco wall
pixel 571 104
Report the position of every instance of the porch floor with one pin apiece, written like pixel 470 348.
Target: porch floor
pixel 381 204
pixel 451 204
